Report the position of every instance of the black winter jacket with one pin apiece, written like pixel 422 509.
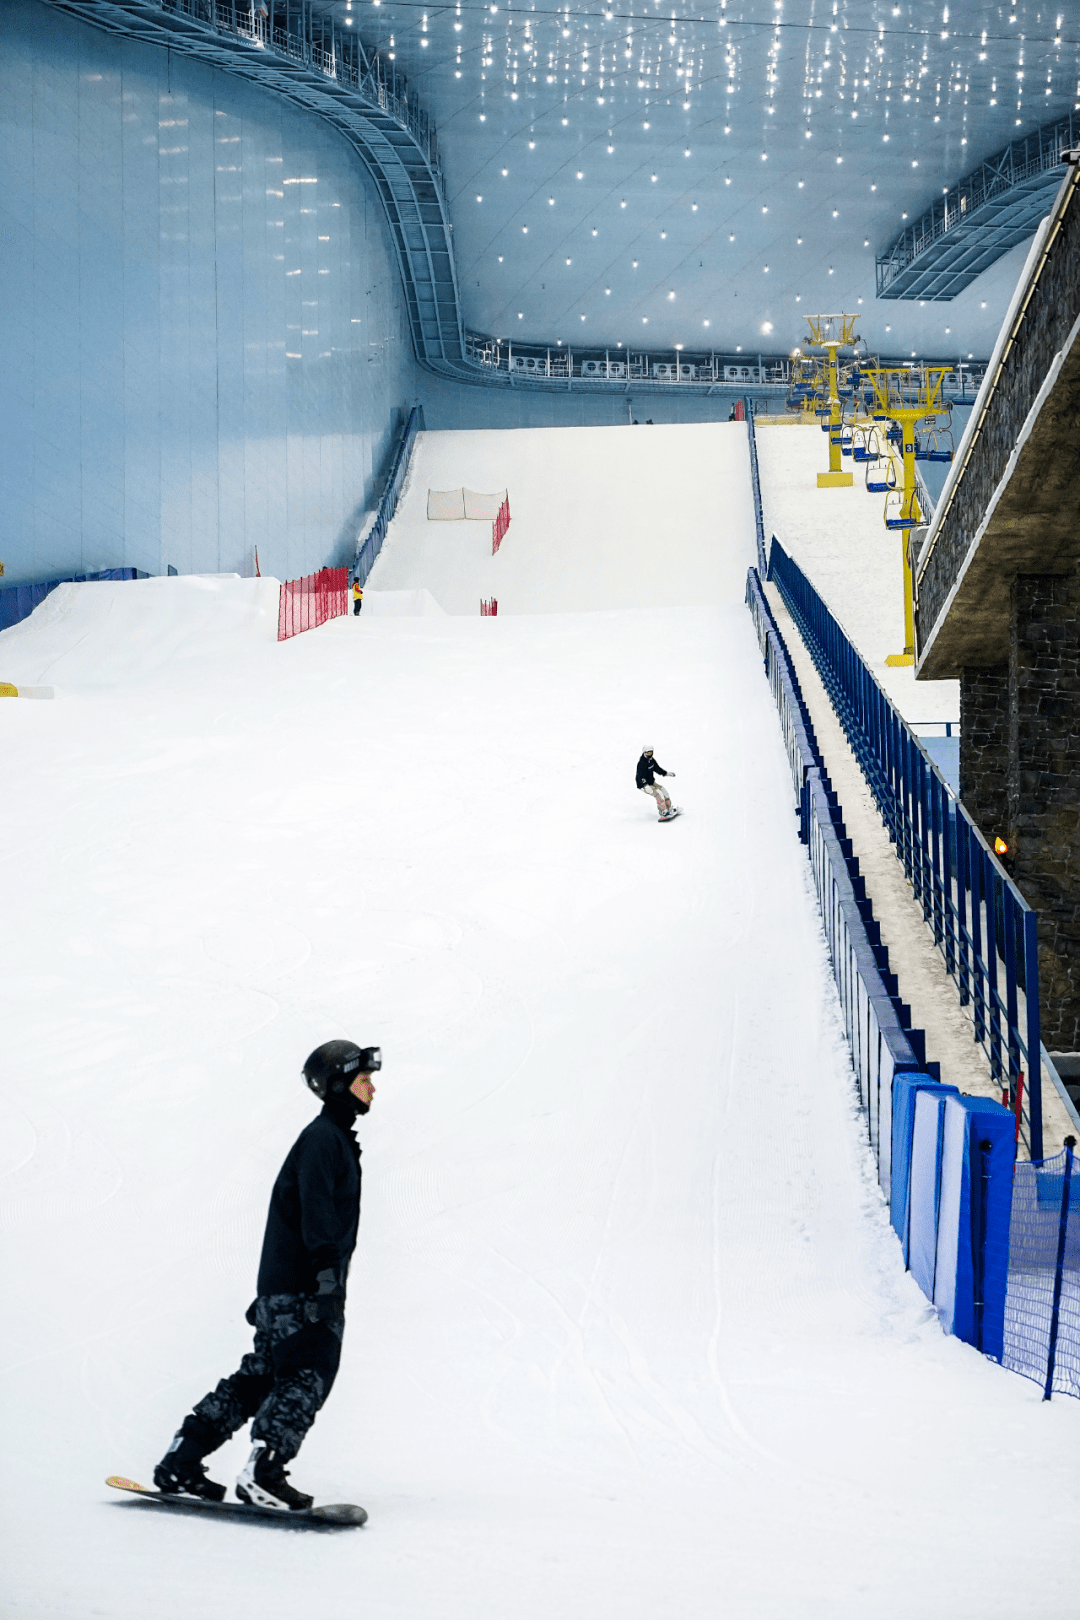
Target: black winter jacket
pixel 314 1213
pixel 647 770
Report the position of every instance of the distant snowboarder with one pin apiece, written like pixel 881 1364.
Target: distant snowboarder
pixel 647 772
pixel 299 1312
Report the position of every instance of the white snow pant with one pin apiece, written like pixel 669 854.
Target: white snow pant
pixel 663 803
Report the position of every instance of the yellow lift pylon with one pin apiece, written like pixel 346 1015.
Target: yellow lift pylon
pixel 906 395
pixel 832 333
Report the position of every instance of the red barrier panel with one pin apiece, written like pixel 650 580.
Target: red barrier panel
pixel 306 603
pixel 500 526
pixel 489 607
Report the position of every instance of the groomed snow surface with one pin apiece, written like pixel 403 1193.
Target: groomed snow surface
pixel 629 1336
pixel 839 539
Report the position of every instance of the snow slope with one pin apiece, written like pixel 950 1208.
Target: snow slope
pixel 628 1332
pixel 607 517
pixel 839 539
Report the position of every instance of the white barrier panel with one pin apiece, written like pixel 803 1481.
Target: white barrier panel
pixel 445 505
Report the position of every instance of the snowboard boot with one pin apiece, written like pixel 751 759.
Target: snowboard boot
pixel 264 1482
pixel 181 1473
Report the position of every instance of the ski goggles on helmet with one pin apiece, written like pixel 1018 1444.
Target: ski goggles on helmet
pixel 368 1060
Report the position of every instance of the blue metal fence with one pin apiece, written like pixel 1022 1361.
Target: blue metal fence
pixel 985 929
pixel 399 467
pixel 882 1040
pixel 759 516
pixel 17 602
pixel 1042 1305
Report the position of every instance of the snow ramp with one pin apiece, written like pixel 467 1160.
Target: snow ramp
pixel 628 1330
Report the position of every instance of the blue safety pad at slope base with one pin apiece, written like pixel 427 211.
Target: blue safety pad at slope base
pixel 905 1088
pixel 924 1188
pixel 974 1212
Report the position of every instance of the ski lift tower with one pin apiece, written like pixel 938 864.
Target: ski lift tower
pixel 906 395
pixel 832 333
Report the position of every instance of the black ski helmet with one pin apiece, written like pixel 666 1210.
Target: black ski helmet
pixel 332 1067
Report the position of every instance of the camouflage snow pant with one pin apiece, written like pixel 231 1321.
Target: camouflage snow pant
pixel 663 803
pixel 281 1383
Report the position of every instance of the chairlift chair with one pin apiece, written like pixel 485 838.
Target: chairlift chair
pixel 884 481
pixel 895 516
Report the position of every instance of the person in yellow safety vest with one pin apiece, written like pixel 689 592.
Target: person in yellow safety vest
pixel 357 597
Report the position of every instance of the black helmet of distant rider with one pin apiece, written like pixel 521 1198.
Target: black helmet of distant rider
pixel 333 1067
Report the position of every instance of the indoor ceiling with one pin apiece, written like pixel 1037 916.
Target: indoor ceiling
pixel 661 173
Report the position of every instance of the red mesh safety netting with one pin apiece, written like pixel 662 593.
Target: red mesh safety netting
pixel 305 603
pixel 489 607
pixel 500 525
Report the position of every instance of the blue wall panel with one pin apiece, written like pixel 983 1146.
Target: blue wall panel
pixel 977 1157
pixel 204 330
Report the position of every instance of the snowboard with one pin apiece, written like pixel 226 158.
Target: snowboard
pixel 676 810
pixel 337 1513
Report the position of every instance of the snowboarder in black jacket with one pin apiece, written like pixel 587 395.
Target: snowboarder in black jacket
pixel 299 1312
pixel 647 771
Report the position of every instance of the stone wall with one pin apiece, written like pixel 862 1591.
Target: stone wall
pixel 1020 778
pixel 1047 320
pixel 984 747
pixel 1043 817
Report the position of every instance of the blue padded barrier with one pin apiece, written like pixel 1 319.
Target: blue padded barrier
pixel 924 1189
pixel 905 1089
pixel 978 1151
pixel 17 602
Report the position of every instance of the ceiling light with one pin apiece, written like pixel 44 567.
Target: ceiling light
pixel 766 326
pixel 532 145
pixel 622 205
pixel 479 199
pixel 520 316
pixel 671 295
pixel 704 323
pixel 607 291
pixel 506 171
pixel 568 261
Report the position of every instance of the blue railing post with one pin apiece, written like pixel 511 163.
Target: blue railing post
pixel 980 921
pixel 1034 1037
pixel 1059 1268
